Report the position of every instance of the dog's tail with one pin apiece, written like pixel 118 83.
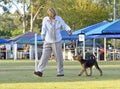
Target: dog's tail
pixel 97 67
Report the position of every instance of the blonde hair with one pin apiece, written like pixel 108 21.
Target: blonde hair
pixel 51 12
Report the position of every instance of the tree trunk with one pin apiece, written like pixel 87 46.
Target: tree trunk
pixel 24 19
pixel 31 22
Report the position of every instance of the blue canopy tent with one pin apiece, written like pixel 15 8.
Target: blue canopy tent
pixel 65 36
pixel 89 28
pixel 28 35
pixel 38 38
pixel 114 28
pixel 109 36
pixel 23 40
pixel 110 28
pixel 2 41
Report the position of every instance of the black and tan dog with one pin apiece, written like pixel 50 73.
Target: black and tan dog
pixel 89 63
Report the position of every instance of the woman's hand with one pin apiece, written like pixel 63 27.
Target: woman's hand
pixel 43 37
pixel 70 32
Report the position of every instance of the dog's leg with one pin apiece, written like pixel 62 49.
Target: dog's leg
pixel 81 72
pixel 90 71
pixel 97 67
pixel 86 72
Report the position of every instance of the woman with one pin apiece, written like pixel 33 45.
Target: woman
pixel 51 36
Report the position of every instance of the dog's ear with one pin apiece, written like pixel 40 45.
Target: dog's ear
pixel 74 57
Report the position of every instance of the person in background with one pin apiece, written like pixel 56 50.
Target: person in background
pixel 88 54
pixel 4 52
pixel 102 53
pixel 51 36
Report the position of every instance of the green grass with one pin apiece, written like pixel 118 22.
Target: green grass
pixel 19 75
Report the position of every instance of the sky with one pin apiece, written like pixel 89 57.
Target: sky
pixel 12 8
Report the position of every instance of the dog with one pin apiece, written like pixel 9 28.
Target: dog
pixel 89 63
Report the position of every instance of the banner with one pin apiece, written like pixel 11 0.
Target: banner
pixel 81 37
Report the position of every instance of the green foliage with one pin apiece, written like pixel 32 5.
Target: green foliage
pixel 5 34
pixel 79 13
pixel 76 13
pixel 8 24
pixel 16 32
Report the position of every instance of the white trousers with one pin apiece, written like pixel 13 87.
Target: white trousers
pixel 48 48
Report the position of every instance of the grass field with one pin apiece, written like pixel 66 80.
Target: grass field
pixel 19 75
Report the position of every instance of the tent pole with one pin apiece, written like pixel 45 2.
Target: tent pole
pixel 15 51
pixel 36 53
pixel 97 54
pixel 84 49
pixel 114 51
pixel 30 52
pixel 105 48
pixel 114 9
pixel 76 48
pixel 94 46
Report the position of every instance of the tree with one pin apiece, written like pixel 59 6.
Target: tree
pixel 76 13
pixel 80 13
pixel 12 3
pixel 36 6
pixel 111 3
pixel 7 25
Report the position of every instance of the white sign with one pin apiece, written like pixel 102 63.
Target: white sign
pixel 81 37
